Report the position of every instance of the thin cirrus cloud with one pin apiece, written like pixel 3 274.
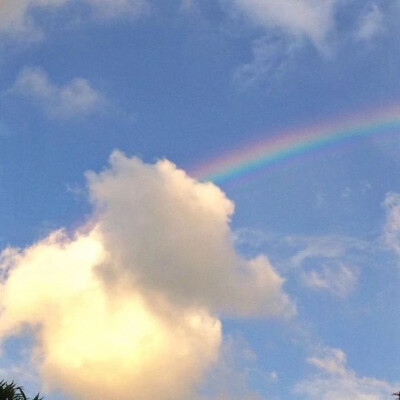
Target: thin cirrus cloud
pixel 270 62
pixel 129 303
pixel 335 380
pixel 313 19
pixel 75 98
pixel 338 279
pixel 328 247
pixel 391 232
pixel 285 25
pixel 16 18
pixel 329 263
pixel 371 23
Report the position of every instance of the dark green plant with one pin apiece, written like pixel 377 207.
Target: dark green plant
pixel 10 391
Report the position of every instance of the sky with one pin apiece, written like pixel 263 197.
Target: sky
pixel 200 199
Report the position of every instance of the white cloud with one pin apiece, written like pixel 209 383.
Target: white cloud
pixel 337 279
pixel 334 380
pixel 328 262
pixel 332 361
pixel 16 18
pixel 128 303
pixel 251 238
pixel 271 57
pixel 310 18
pixel 392 226
pixel 77 97
pixel 324 247
pixel 370 23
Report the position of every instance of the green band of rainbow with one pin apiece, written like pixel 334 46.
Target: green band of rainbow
pixel 286 145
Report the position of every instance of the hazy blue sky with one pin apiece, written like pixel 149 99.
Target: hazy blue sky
pixel 134 276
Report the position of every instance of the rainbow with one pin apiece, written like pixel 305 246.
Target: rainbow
pixel 283 146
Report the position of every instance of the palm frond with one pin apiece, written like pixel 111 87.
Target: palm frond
pixel 10 391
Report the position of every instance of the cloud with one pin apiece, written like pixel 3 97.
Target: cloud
pixel 391 234
pixel 331 361
pixel 324 247
pixel 16 15
pixel 75 98
pixel 329 262
pixel 334 380
pixel 304 18
pixel 324 263
pixel 15 20
pixel 236 373
pixel 128 303
pixel 86 336
pixel 339 279
pixel 189 253
pixel 271 58
pixel 370 23
pixel 251 239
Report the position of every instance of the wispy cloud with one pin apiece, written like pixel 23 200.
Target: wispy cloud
pixel 312 19
pixel 334 380
pixel 235 372
pixel 391 233
pixel 370 23
pixel 271 58
pixel 75 98
pixel 329 262
pixel 339 279
pixel 16 15
pixel 324 247
pixel 129 302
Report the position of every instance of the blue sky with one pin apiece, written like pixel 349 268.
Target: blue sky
pixel 280 283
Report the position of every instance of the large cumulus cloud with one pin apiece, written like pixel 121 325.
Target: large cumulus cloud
pixel 130 301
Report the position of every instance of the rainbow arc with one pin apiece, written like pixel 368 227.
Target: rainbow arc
pixel 286 145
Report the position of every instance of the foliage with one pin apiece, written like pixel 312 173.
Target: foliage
pixel 10 391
